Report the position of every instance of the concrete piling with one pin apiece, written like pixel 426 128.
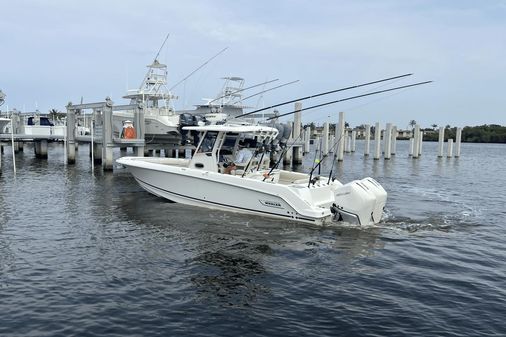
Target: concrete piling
pixel 416 142
pixel 394 140
pixel 71 125
pixel 441 140
pixel 40 148
pixel 107 141
pixel 458 138
pixel 307 139
pixel 367 139
pixel 353 140
pixel 325 139
pixel 450 148
pixel 340 137
pixel 377 141
pixel 388 141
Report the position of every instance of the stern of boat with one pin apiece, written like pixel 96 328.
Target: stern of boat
pixel 359 202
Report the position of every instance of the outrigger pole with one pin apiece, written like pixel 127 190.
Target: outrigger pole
pixel 201 66
pixel 270 89
pixel 324 93
pixel 239 90
pixel 350 98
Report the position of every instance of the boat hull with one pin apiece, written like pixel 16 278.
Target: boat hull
pixel 159 129
pixel 224 192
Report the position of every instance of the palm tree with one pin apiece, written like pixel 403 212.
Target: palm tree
pixel 434 126
pixel 55 115
pixel 412 123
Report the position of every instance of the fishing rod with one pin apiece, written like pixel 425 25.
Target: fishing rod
pixel 270 89
pixel 193 72
pixel 314 161
pixel 239 90
pixel 283 153
pixel 318 165
pixel 326 93
pixel 350 98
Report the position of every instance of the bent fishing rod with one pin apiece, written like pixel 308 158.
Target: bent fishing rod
pixel 350 98
pixel 324 93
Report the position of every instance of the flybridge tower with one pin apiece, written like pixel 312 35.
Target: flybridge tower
pixel 153 90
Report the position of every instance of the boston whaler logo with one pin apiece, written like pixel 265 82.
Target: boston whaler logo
pixel 270 203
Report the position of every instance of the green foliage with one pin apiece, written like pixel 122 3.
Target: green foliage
pixel 492 133
pixel 473 134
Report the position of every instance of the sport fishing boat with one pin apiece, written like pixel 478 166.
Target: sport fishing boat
pixel 253 188
pixel 161 120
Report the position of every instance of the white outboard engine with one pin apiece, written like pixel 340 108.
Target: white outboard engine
pixel 359 202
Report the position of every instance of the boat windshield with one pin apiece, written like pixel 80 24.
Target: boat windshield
pixel 208 142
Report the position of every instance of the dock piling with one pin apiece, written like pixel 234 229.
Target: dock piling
pixel 450 148
pixel 458 138
pixel 367 140
pixel 377 141
pixel 441 140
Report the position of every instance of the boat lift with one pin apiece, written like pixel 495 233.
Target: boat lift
pixel 102 139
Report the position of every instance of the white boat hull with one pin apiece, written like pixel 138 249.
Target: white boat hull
pixel 173 180
pixel 159 129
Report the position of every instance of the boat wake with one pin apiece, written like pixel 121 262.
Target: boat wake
pixel 430 222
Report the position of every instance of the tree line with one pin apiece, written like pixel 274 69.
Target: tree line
pixel 488 133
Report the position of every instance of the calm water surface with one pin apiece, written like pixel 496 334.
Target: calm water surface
pixel 87 253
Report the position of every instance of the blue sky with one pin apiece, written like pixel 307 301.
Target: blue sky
pixel 53 52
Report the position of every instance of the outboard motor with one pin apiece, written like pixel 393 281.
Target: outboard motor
pixel 360 202
pixel 287 131
pixel 186 119
pixel 276 141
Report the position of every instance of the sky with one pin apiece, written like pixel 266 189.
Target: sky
pixel 60 51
